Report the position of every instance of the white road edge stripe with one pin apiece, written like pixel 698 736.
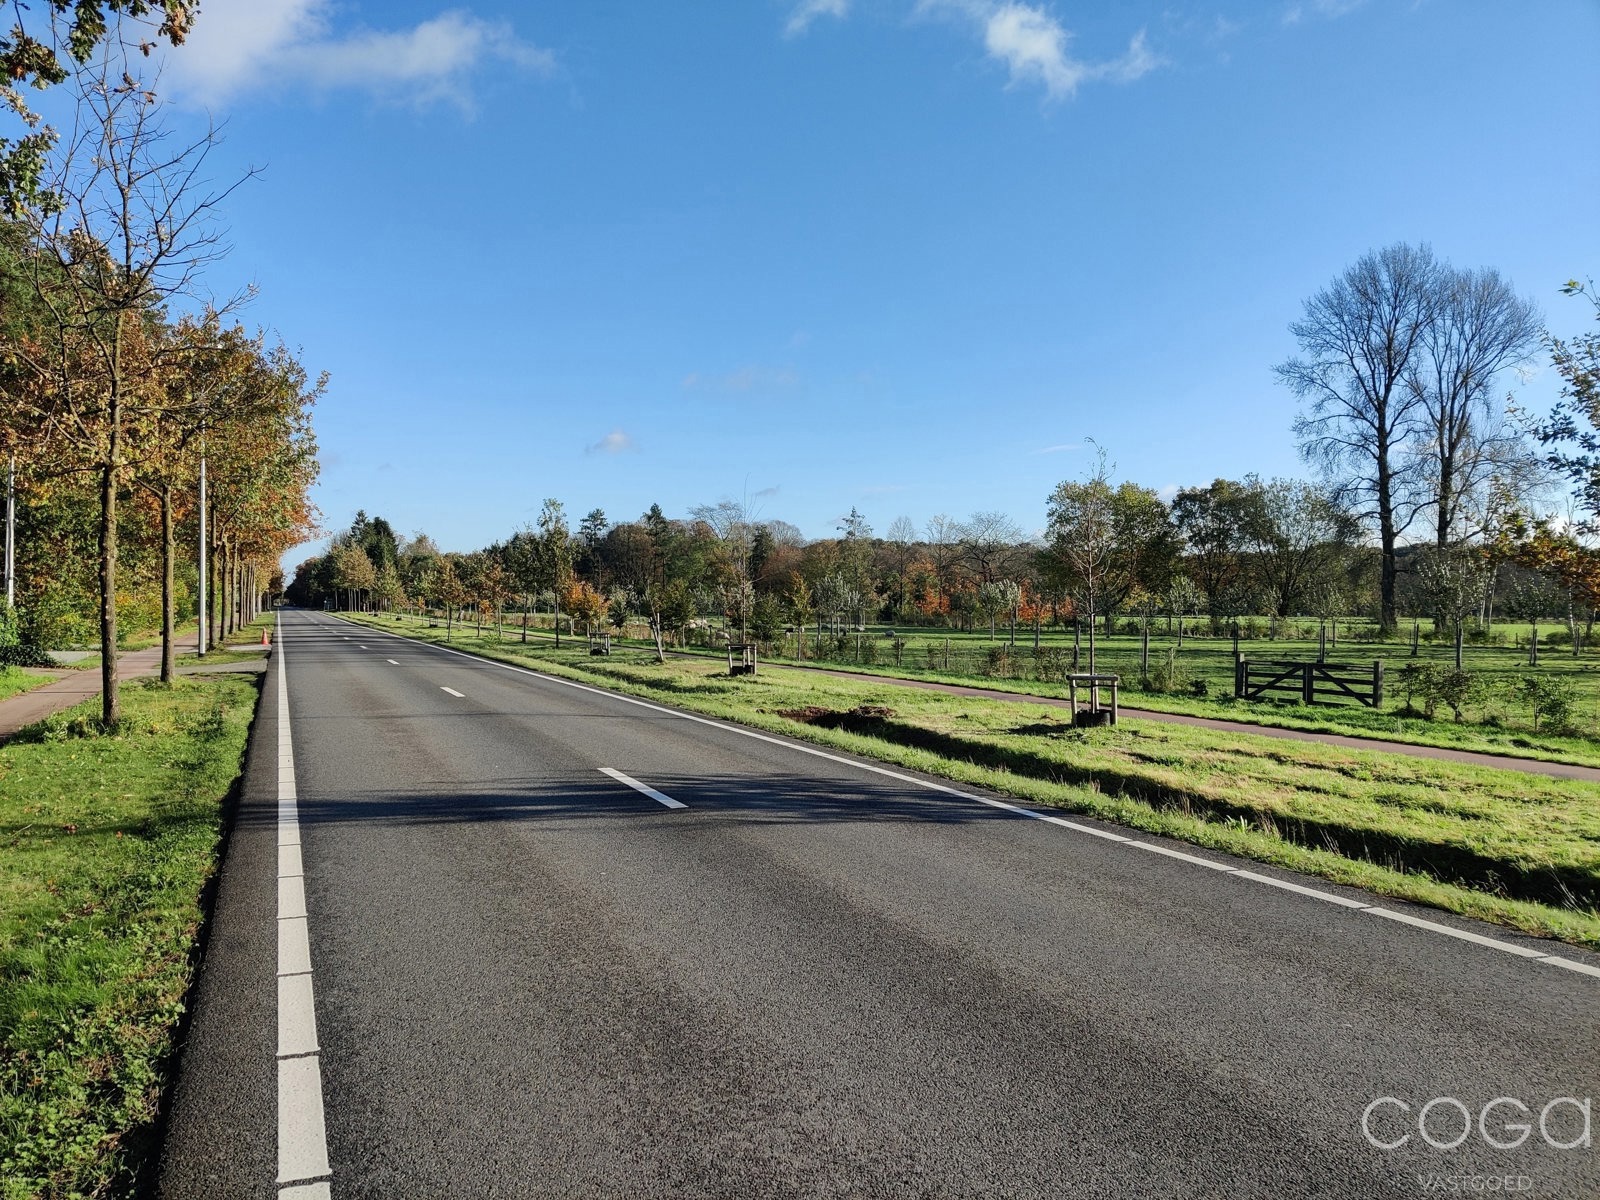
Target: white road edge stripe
pixel 1221 868
pixel 302 1137
pixel 658 797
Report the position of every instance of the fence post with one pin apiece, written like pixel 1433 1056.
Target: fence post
pixel 1377 683
pixel 1307 686
pixel 1144 655
pixel 1240 671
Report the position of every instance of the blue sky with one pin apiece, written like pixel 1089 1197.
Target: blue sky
pixel 903 256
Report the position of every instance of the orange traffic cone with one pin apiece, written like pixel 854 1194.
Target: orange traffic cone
pixel 266 640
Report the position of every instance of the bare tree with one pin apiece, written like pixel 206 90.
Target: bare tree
pixel 1361 338
pixel 125 222
pixel 944 539
pixel 1480 328
pixel 989 544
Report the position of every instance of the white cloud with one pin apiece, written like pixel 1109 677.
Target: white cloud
pixel 1035 46
pixel 1319 8
pixel 615 442
pixel 240 45
pixel 744 379
pixel 1063 448
pixel 1167 491
pixel 808 11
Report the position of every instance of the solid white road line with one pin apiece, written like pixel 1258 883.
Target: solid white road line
pixel 302 1139
pixel 1221 868
pixel 453 692
pixel 658 797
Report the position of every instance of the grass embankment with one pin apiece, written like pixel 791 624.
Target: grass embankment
pixel 242 645
pixel 1498 726
pixel 1519 849
pixel 105 845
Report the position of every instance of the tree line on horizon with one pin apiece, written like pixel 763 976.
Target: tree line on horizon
pixel 1402 359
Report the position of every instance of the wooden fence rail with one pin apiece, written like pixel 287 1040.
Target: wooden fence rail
pixel 1309 682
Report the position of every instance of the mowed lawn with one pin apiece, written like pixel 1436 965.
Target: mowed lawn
pixel 106 843
pixel 1507 846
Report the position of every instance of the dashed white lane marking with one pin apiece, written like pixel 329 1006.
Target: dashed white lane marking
pixel 658 797
pixel 297 1016
pixel 1504 947
pixel 391 662
pixel 302 1138
pixel 359 646
pixel 453 692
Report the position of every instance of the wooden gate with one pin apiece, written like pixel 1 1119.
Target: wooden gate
pixel 1309 682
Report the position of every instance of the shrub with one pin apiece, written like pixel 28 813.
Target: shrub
pixel 1051 664
pixel 1416 680
pixel 1550 699
pixel 1167 674
pixel 1454 689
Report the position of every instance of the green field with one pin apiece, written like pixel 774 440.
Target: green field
pixel 1520 849
pixel 1496 723
pixel 106 843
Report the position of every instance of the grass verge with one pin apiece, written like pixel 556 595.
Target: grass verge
pixel 1505 735
pixel 105 845
pixel 15 681
pixel 1522 850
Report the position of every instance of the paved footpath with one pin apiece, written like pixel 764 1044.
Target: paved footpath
pixel 18 712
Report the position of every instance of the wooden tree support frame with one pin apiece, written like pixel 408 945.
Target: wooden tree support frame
pixel 1095 711
pixel 746 654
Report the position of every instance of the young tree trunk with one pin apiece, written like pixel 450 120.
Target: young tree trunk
pixel 1389 568
pixel 168 653
pixel 110 701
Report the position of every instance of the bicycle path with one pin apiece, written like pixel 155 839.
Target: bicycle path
pixel 31 707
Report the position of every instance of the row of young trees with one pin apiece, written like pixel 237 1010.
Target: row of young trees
pixel 117 398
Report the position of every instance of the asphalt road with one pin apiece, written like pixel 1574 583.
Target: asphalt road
pixel 813 979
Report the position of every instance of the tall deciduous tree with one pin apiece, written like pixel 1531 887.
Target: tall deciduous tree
pixel 1361 339
pixel 1301 536
pixel 1479 329
pixel 1217 522
pixel 42 49
pixel 1571 433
